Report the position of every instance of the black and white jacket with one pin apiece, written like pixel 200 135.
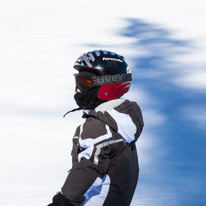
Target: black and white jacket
pixel 105 164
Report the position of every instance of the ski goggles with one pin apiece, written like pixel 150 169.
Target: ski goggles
pixel 86 80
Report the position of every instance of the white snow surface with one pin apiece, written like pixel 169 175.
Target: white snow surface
pixel 39 42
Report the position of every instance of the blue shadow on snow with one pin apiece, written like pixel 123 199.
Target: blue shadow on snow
pixel 176 177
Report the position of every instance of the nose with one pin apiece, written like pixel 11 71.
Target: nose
pixel 78 90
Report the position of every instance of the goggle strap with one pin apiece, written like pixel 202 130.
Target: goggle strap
pixel 111 79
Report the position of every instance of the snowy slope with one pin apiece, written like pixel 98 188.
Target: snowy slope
pixel 164 42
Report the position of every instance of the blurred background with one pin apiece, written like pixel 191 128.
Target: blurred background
pixel 164 42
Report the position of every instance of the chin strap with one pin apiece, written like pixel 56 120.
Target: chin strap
pixel 73 110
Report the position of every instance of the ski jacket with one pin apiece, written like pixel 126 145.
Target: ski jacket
pixel 105 164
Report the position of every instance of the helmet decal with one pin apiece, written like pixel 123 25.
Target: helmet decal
pixel 111 59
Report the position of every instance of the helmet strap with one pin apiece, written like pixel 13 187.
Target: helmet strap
pixel 73 110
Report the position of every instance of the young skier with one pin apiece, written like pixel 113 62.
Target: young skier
pixel 104 157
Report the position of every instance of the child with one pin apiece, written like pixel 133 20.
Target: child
pixel 104 157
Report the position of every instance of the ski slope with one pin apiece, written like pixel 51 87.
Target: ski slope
pixel 164 42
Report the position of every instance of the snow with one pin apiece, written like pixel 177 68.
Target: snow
pixel 164 42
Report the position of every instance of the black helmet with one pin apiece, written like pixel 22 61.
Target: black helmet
pixel 111 70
